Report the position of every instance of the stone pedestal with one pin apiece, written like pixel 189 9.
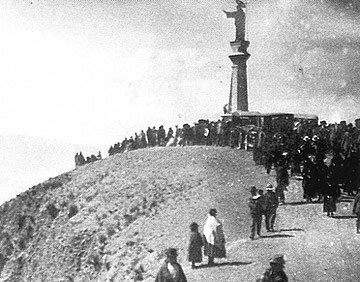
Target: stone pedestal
pixel 238 99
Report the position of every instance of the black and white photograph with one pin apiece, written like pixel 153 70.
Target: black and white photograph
pixel 179 141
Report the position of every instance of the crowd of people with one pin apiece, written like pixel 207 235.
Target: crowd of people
pixel 81 160
pixel 201 133
pixel 326 156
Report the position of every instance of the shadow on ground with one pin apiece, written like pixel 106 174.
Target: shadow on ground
pixel 234 263
pixel 277 236
pixel 343 216
pixel 291 229
pixel 303 203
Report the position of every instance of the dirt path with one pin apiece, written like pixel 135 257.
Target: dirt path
pixel 144 202
pixel 316 247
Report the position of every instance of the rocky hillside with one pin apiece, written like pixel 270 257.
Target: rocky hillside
pixel 102 221
pixel 112 219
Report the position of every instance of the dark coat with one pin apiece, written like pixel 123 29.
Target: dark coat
pixel 255 207
pixel 271 201
pixel 262 202
pixel 195 247
pixel 164 275
pixel 356 208
pixel 329 204
pixel 282 176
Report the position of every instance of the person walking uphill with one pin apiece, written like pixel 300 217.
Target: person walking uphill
pixel 214 236
pixel 171 270
pixel 255 212
pixel 271 205
pixel 195 245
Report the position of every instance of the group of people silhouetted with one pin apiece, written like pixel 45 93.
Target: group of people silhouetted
pixel 80 159
pixel 326 156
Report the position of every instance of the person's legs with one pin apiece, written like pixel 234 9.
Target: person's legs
pixel 258 225
pixel 267 220
pixel 281 195
pixel 211 260
pixel 252 227
pixel 272 220
pixel 211 252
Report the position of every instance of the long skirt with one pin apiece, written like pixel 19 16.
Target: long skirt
pixel 195 254
pixel 214 251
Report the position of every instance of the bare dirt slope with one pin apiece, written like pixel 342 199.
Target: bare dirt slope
pixel 102 221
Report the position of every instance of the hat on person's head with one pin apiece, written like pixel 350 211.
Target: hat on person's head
pixel 278 259
pixel 269 187
pixel 171 252
pixel 194 226
pixel 213 212
pixel 253 189
pixel 315 138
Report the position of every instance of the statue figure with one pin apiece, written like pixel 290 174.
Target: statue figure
pixel 239 16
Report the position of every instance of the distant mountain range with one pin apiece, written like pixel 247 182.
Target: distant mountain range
pixel 27 161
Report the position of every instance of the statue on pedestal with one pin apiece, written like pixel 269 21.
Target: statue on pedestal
pixel 239 16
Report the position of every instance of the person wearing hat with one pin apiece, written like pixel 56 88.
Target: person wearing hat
pixel 271 205
pixel 255 212
pixel 214 238
pixel 276 271
pixel 171 270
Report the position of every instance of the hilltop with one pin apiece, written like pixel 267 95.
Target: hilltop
pixel 103 220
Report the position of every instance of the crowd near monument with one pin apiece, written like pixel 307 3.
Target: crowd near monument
pixel 325 156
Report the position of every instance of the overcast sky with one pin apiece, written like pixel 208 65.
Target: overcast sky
pixel 93 72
